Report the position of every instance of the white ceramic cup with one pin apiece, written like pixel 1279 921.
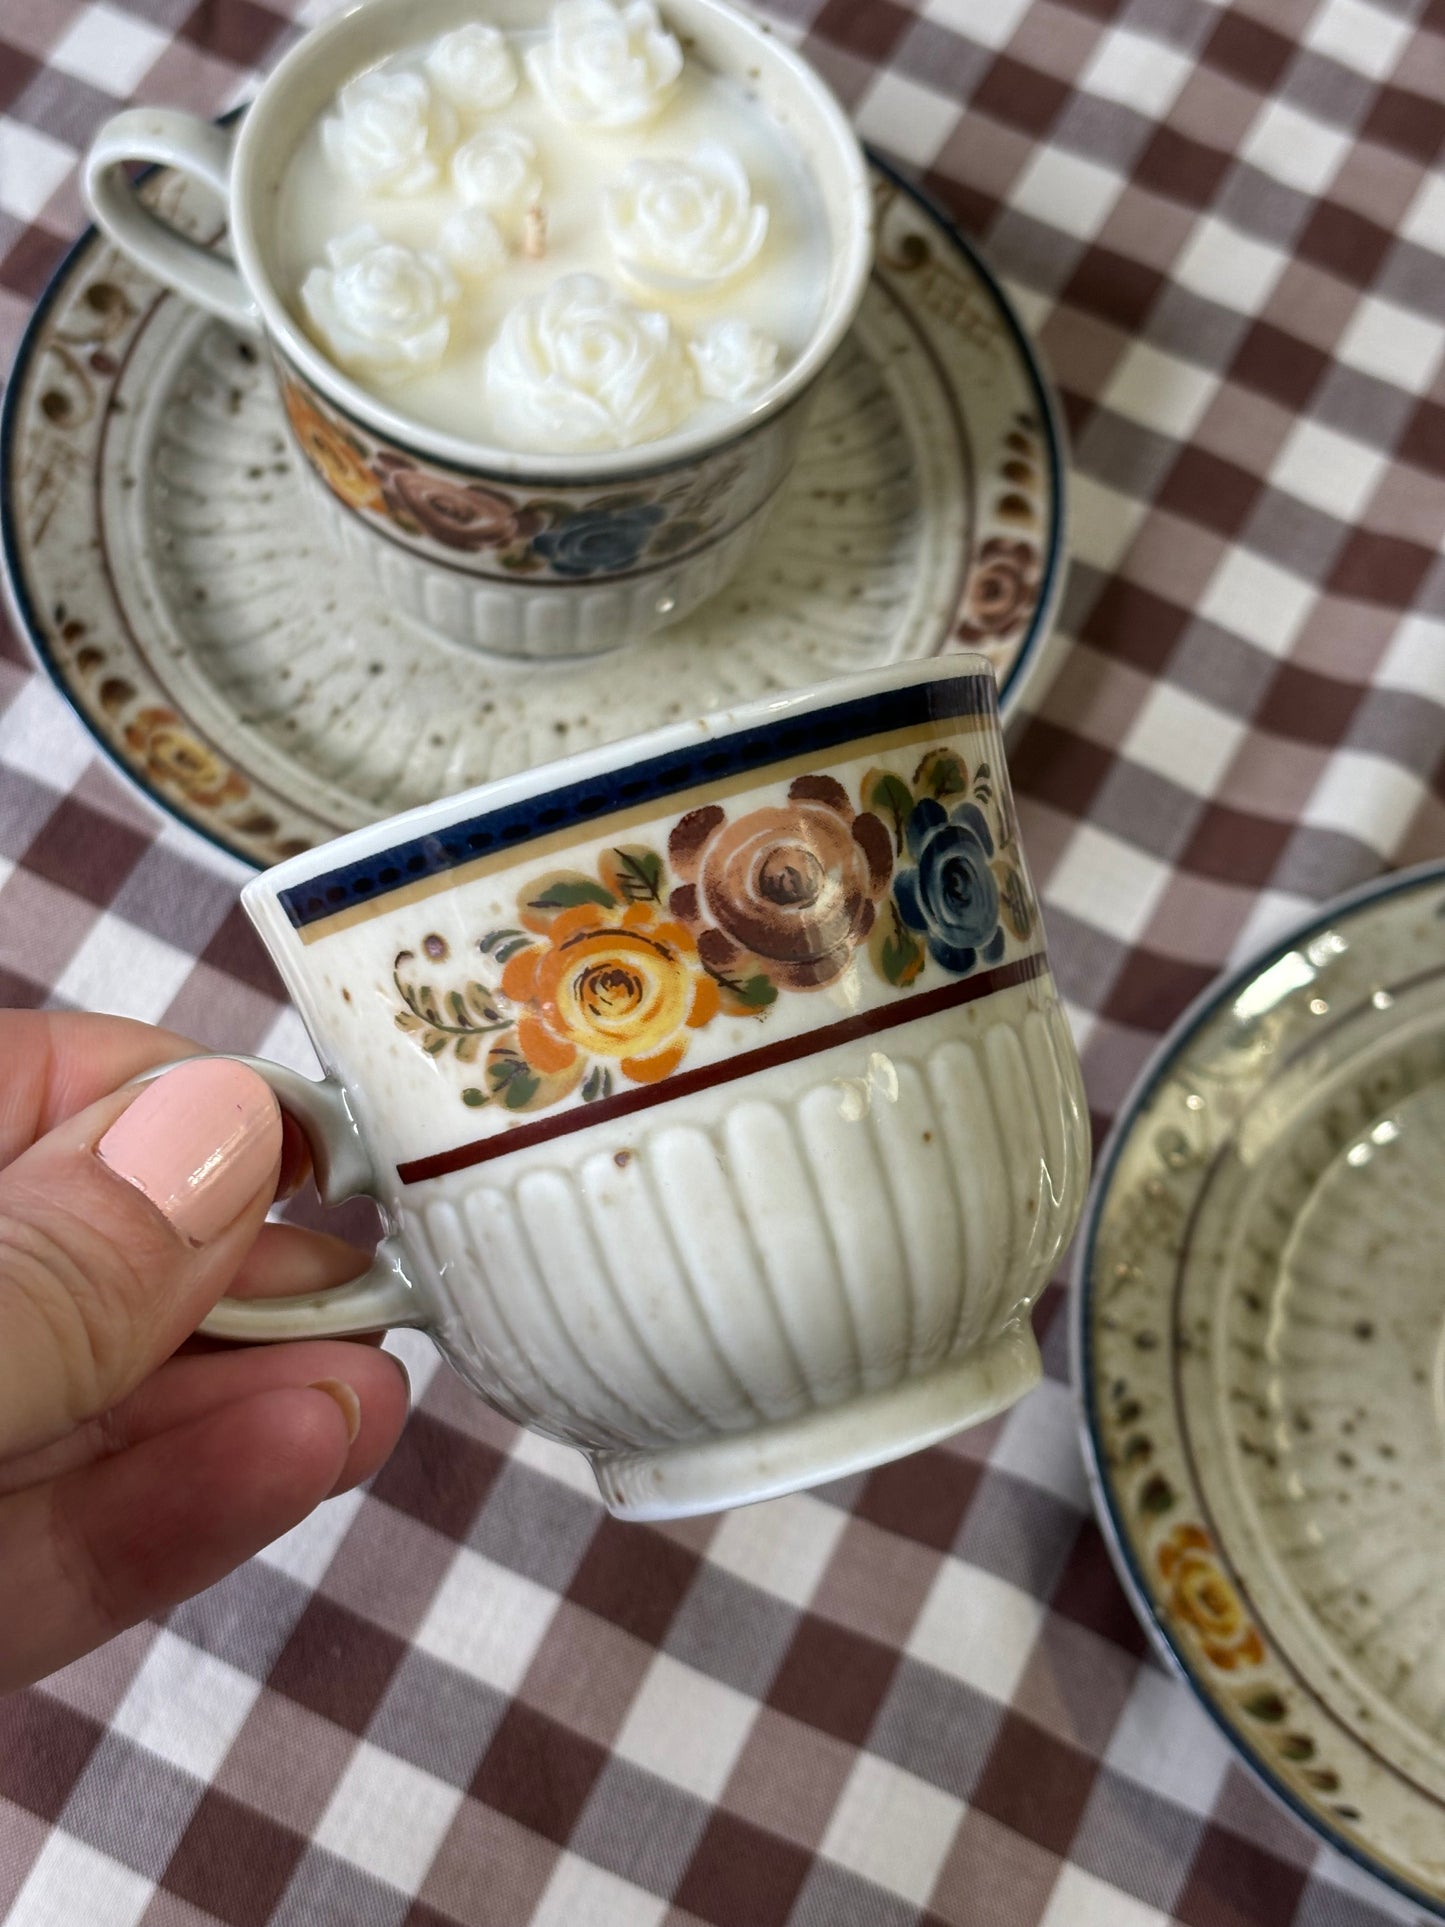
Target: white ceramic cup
pixel 520 554
pixel 713 1085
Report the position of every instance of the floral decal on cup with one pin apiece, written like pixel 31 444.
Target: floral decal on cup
pixel 607 975
pixel 959 885
pixel 780 898
pixel 337 457
pixel 1203 1599
pixel 597 979
pixel 565 536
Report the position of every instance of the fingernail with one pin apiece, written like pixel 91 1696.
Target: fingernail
pixel 199 1142
pixel 346 1398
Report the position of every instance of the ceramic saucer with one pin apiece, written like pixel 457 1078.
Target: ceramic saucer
pixel 1260 1350
pixel 162 560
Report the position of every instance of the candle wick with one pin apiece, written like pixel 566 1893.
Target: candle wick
pixel 534 232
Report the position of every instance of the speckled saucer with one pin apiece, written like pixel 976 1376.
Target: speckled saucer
pixel 1260 1351
pixel 165 567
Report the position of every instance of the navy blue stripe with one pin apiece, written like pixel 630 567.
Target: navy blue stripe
pixel 373 877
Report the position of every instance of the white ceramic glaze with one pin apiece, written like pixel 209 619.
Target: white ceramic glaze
pixel 737 465
pixel 1261 1351
pixel 714 1086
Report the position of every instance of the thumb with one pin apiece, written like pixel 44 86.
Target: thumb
pixel 118 1231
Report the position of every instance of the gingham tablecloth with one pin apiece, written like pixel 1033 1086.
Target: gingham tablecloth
pixel 468 1696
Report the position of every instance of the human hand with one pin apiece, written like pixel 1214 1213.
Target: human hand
pixel 134 1470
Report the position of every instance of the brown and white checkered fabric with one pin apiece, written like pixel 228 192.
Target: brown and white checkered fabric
pixel 466 1696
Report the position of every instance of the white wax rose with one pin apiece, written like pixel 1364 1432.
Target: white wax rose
pixel 389 133
pixel 576 369
pixel 474 67
pixel 732 359
pixel 678 225
pixel 381 309
pixel 473 243
pixel 605 66
pixel 497 170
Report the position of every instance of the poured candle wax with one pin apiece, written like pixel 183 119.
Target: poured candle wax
pixel 552 241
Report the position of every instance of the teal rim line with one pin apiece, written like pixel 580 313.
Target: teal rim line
pixel 31 620
pixel 1172 1651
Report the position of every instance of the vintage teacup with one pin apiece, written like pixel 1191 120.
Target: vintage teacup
pixel 530 555
pixel 713 1084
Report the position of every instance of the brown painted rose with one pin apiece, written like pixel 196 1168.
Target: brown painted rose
pixel 1004 588
pixel 783 894
pixel 459 515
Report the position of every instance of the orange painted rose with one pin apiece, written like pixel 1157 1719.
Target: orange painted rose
pixel 171 756
pixel 619 981
pixel 1201 1596
pixel 784 895
pixel 329 452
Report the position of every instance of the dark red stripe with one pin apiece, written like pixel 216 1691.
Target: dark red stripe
pixel 786 1051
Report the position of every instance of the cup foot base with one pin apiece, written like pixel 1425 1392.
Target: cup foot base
pixel 823 1444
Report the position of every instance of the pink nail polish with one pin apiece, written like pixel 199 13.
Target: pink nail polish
pixel 199 1142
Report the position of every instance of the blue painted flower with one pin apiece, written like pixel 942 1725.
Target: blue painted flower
pixel 949 894
pixel 598 541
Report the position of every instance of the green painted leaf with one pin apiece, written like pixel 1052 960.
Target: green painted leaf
pixel 598 1083
pixel 522 1087
pixel 434 1043
pixel 754 993
pixel 505 952
pixel 1014 900
pixel 483 1003
pixel 475 1098
pixel 1265 1705
pixel 941 773
pixel 492 939
pixel 900 956
pixel 888 795
pixel 407 1020
pixel 566 894
pixel 1297 1746
pixel 639 874
pixel 467 1047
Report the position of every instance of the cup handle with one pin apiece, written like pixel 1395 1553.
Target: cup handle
pixel 195 147
pixel 383 1295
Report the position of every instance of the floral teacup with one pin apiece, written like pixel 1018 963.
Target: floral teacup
pixel 714 1085
pixel 527 555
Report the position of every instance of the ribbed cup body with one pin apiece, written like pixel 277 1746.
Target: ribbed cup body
pixel 834 1229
